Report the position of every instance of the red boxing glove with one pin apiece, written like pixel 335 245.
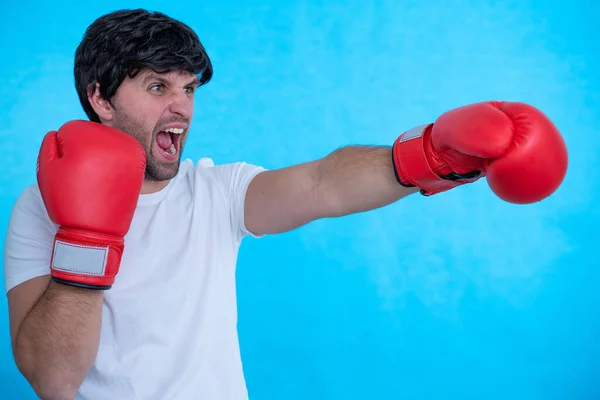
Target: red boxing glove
pixel 514 145
pixel 90 177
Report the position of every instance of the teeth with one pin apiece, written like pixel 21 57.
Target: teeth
pixel 175 130
pixel 171 150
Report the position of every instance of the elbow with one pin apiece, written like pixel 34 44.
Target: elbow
pixel 48 382
pixel 53 389
pixel 325 195
pixel 329 202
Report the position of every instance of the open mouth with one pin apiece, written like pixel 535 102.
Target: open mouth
pixel 168 142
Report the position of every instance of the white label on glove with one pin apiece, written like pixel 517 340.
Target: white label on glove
pixel 79 259
pixel 413 133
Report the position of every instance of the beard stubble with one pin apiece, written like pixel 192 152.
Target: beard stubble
pixel 155 170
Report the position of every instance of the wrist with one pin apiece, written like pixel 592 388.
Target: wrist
pixel 417 164
pixel 85 259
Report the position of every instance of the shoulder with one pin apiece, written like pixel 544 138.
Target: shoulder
pixel 208 165
pixel 230 175
pixel 29 196
pixel 29 210
pixel 29 239
pixel 226 185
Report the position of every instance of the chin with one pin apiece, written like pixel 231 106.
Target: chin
pixel 162 171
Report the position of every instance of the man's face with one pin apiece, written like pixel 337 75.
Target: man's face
pixel 157 110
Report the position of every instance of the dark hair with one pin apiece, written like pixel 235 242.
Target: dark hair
pixel 123 42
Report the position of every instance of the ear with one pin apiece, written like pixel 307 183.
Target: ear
pixel 102 107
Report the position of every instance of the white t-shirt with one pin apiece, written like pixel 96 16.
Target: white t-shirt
pixel 169 323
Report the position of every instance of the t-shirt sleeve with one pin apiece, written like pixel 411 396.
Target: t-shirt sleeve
pixel 236 178
pixel 29 240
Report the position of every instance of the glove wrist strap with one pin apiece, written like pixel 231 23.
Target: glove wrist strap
pixel 412 167
pixel 85 259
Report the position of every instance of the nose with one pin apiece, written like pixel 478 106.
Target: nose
pixel 181 104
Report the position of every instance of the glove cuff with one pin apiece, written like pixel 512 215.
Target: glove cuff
pixel 86 259
pixel 411 165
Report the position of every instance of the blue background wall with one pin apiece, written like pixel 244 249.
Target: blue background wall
pixel 459 296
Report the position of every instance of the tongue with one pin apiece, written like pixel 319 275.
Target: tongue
pixel 164 140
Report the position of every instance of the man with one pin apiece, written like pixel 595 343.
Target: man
pixel 120 262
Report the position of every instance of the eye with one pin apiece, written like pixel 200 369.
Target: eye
pixel 190 89
pixel 156 87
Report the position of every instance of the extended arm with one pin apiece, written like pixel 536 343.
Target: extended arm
pixel 351 179
pixel 514 145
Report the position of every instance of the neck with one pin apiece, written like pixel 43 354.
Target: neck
pixel 149 186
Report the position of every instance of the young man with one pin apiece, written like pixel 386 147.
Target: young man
pixel 120 262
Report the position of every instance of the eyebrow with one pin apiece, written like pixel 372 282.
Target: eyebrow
pixel 154 76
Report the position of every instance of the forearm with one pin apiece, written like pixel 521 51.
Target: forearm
pixel 359 178
pixel 58 340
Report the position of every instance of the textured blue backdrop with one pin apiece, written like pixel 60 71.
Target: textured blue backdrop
pixel 460 296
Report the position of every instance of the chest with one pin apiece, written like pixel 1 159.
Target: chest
pixel 178 266
pixel 175 247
